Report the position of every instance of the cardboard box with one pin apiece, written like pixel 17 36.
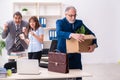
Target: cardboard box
pixel 73 45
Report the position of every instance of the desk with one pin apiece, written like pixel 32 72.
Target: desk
pixel 45 74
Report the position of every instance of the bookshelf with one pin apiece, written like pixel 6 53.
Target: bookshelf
pixel 49 11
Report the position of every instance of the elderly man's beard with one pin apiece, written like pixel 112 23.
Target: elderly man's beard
pixel 72 21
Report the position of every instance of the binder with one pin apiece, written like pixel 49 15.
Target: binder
pixel 52 35
pixel 42 21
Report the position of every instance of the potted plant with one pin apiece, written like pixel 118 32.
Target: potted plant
pixel 2 45
pixel 24 11
pixel 2 42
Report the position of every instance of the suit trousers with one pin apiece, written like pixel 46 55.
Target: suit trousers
pixel 75 62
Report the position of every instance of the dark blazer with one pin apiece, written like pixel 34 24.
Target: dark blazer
pixel 10 34
pixel 64 29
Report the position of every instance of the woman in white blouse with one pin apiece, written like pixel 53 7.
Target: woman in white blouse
pixel 35 38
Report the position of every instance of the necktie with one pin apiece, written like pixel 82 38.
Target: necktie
pixel 73 26
pixel 17 37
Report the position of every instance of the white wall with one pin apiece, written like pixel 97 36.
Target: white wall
pixel 101 16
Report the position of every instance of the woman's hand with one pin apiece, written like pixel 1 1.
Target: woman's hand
pixel 22 36
pixel 32 33
pixel 23 29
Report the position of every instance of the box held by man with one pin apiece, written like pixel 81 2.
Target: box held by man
pixel 74 46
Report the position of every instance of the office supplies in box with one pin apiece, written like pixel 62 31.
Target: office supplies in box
pixel 74 46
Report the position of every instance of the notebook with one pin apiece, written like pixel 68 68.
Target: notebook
pixel 27 66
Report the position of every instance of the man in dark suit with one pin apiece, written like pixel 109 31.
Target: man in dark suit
pixel 65 29
pixel 11 28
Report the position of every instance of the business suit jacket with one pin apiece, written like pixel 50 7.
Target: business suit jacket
pixel 64 29
pixel 11 33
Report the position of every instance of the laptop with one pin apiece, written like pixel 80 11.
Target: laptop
pixel 27 66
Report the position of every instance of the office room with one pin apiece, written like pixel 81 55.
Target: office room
pixel 100 16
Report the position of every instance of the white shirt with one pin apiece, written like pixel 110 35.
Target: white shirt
pixel 35 45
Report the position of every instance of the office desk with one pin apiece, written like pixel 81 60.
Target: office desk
pixel 45 74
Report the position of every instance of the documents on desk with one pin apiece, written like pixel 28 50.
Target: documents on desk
pixel 21 54
pixel 16 55
pixel 3 72
pixel 45 74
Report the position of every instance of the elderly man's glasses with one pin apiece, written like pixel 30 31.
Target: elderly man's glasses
pixel 72 15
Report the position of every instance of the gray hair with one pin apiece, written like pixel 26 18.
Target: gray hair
pixel 69 7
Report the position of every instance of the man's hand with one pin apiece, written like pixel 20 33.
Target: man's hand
pixel 92 48
pixel 5 28
pixel 78 37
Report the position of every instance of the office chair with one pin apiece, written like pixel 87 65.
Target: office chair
pixel 52 48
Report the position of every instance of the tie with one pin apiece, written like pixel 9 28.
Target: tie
pixel 18 45
pixel 72 26
pixel 17 37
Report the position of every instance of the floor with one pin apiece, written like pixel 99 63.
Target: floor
pixel 102 71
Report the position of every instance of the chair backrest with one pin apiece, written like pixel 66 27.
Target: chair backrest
pixel 53 45
pixel 51 48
